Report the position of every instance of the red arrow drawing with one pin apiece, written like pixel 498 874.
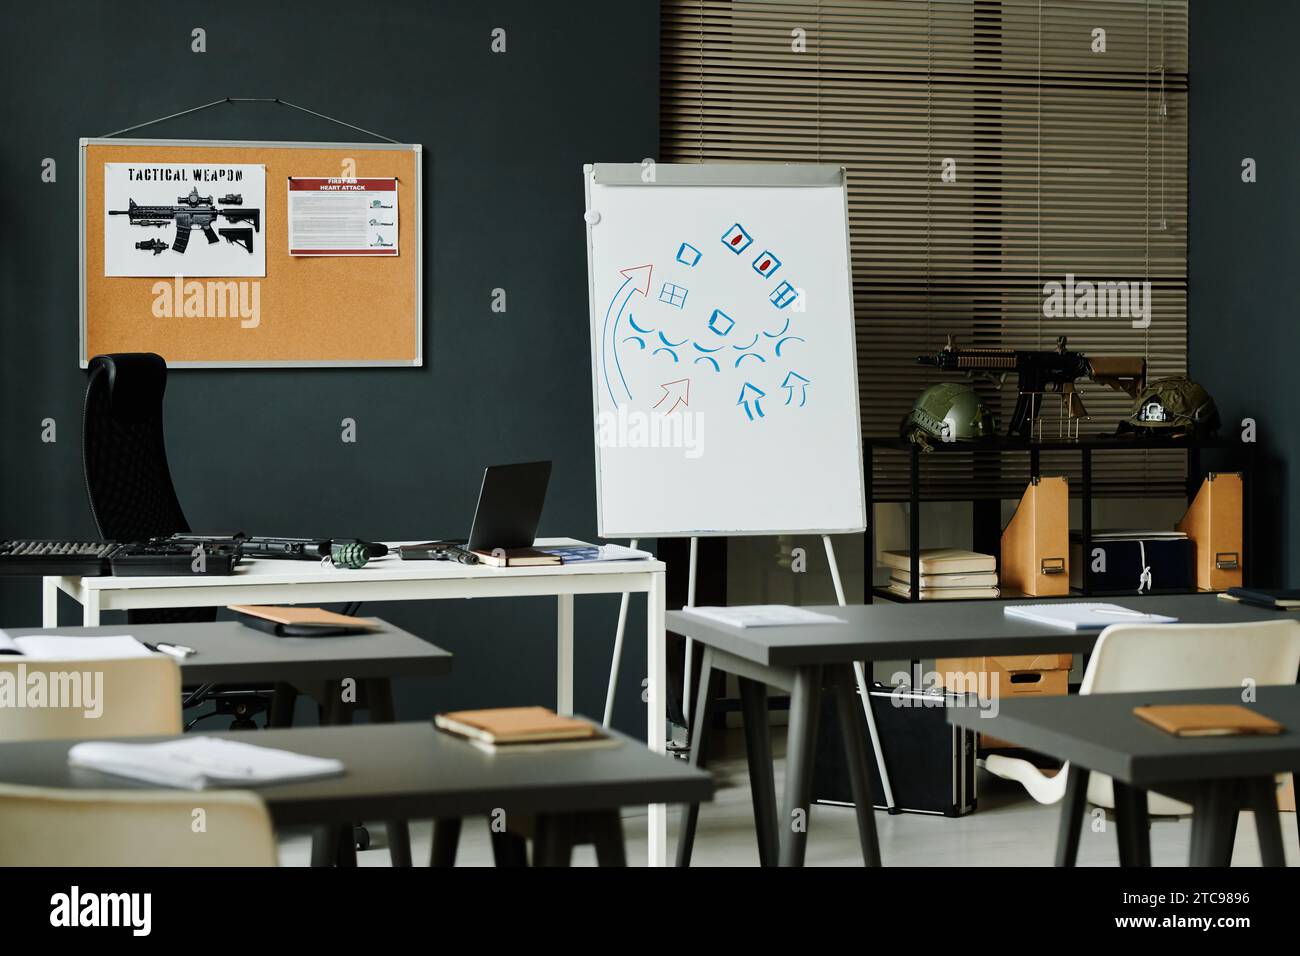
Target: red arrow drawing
pixel 643 285
pixel 679 391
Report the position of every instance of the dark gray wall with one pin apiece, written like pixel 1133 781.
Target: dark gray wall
pixel 1245 245
pixel 505 137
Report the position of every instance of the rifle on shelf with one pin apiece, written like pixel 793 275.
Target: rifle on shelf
pixel 193 211
pixel 1052 370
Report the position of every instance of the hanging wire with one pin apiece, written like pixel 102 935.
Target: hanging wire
pixel 247 99
pixel 1038 312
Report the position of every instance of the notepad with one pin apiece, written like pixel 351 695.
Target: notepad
pixel 1083 616
pixel 762 615
pixel 1207 720
pixel 523 730
pixel 201 763
pixel 57 647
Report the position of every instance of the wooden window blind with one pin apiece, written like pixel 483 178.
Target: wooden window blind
pixel 1061 160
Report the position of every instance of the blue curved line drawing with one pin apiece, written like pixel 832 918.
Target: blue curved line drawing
pixel 741 348
pixel 753 355
pixel 701 348
pixel 669 351
pixel 770 335
pixel 631 320
pixel 675 345
pixel 637 339
pixel 788 338
pixel 606 334
pixel 708 358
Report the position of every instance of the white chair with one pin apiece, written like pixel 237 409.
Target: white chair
pixel 129 697
pixel 1150 657
pixel 41 826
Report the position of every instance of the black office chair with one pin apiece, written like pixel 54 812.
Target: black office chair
pixel 132 497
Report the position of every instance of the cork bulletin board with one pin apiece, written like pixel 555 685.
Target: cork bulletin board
pixel 356 310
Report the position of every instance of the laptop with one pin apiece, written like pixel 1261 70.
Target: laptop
pixel 509 510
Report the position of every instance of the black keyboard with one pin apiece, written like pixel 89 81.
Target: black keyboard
pixel 86 558
pixel 94 558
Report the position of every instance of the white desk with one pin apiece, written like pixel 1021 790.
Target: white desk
pixel 274 581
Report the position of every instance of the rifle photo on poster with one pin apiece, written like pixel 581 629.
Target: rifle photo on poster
pixel 193 219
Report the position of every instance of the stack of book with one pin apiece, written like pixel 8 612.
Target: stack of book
pixel 947 574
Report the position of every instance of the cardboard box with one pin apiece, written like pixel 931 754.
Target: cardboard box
pixel 1213 523
pixel 1014 675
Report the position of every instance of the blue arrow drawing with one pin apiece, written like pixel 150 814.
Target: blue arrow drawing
pixel 744 399
pixel 792 381
pixel 608 336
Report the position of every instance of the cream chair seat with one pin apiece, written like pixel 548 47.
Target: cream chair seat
pixel 1147 657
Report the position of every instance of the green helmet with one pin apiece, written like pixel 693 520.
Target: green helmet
pixel 949 411
pixel 1173 405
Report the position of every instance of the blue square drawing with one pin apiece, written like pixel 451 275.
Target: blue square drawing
pixel 783 295
pixel 673 294
pixel 720 323
pixel 688 255
pixel 736 239
pixel 766 264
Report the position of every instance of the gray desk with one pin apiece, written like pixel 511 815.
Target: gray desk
pixel 413 771
pixel 890 630
pixel 1218 775
pixel 823 653
pixel 230 653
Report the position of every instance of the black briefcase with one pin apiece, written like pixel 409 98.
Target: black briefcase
pixel 930 762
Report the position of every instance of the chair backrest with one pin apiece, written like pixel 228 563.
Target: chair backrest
pixel 1142 657
pixel 124 457
pixel 119 698
pixel 40 826
pixel 123 452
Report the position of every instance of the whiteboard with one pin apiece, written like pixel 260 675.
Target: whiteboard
pixel 724 370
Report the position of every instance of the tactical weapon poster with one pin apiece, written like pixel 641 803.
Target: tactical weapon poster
pixel 342 217
pixel 191 219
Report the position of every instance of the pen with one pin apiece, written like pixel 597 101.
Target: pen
pixel 1120 612
pixel 175 650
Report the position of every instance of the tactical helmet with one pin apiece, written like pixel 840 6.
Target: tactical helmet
pixel 1174 405
pixel 949 411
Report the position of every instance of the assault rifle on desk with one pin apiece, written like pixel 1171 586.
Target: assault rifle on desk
pixel 1053 370
pixel 193 211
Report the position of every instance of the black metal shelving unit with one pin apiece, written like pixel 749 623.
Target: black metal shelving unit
pixel 1085 447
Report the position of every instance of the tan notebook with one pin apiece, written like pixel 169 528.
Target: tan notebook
pixel 1207 720
pixel 941 561
pixel 944 594
pixel 314 616
pixel 514 725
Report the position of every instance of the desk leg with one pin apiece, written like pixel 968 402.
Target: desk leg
pixel 90 611
pixel 805 700
pixel 564 653
pixel 699 730
pixel 1073 809
pixel 1132 826
pixel 1214 824
pixel 1262 794
pixel 758 753
pixel 656 708
pixel 553 838
pixel 379 695
pixel 446 839
pixel 49 601
pixel 845 688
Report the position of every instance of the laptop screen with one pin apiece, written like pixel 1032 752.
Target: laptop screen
pixel 509 506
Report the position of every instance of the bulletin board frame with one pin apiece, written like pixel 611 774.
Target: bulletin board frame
pixel 407 320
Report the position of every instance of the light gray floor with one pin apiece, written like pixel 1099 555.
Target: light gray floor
pixel 1008 829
